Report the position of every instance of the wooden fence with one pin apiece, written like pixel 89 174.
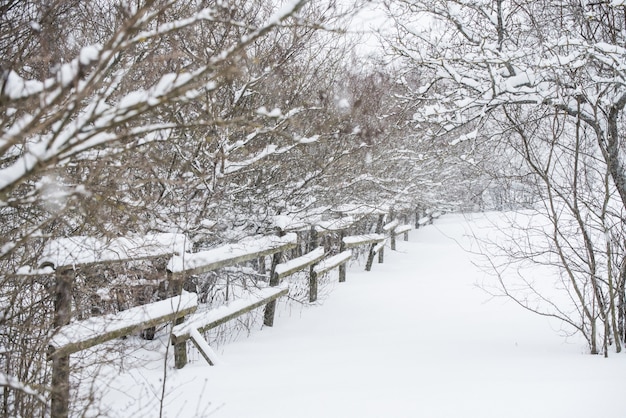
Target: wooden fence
pixel 182 309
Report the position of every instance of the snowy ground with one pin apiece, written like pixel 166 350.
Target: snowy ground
pixel 413 338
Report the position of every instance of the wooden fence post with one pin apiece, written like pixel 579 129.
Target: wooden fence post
pixel 418 216
pixel 148 333
pixel 342 248
pixel 312 274
pixel 60 394
pixel 270 308
pixel 370 257
pixel 393 232
pixel 381 253
pixel 312 285
pixel 180 348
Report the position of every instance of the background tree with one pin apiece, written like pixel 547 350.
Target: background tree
pixel 125 118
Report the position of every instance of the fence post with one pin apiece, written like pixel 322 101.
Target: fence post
pixel 180 348
pixel 60 395
pixel 270 308
pixel 392 215
pixel 312 274
pixel 342 248
pixel 370 257
pixel 418 216
pixel 312 286
pixel 379 229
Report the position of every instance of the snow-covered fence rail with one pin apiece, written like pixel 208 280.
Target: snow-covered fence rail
pixel 204 321
pixel 230 254
pixel 372 239
pixel 297 264
pixel 428 218
pixel 403 229
pixel 332 262
pixel 394 229
pixel 300 263
pixel 85 334
pixel 390 226
pixel 358 240
pixel 324 266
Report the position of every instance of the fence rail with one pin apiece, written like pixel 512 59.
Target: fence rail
pixel 204 321
pixel 85 334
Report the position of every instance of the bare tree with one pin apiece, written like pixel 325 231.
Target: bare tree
pixel 560 62
pixel 95 127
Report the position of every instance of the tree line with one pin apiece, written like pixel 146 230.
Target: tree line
pixel 219 119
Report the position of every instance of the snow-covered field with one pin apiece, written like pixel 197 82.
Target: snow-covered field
pixel 413 338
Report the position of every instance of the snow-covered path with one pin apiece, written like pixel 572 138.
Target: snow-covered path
pixel 413 338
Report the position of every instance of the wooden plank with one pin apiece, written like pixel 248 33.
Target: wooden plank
pixel 81 251
pixel 203 347
pixel 297 264
pixel 97 330
pixel 425 220
pixel 204 321
pixel 228 255
pixel 358 240
pixel 402 229
pixel 332 262
pixel 390 226
pixel 379 247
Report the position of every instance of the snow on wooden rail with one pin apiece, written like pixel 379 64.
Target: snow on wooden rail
pixel 403 229
pixel 83 250
pixel 425 220
pixel 379 246
pixel 230 254
pixel 390 226
pixel 429 218
pixel 357 240
pixel 332 262
pixel 81 335
pixel 204 321
pixel 296 264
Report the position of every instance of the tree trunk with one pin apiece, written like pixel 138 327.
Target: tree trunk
pixel 61 365
pixel 612 147
pixel 270 308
